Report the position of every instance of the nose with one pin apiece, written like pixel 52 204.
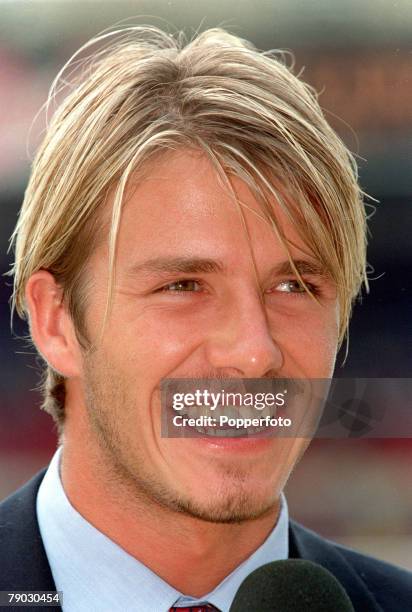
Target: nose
pixel 243 341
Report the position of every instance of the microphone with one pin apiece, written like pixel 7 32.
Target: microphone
pixel 293 585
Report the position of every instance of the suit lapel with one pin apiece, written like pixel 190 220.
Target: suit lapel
pixel 23 564
pixel 306 544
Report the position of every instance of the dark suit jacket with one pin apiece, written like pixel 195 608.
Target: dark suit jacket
pixel 372 585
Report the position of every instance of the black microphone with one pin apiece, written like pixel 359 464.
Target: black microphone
pixel 293 585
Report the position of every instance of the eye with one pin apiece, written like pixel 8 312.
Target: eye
pixel 183 285
pixel 295 286
pixel 290 286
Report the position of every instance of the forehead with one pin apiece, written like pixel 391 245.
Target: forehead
pixel 181 205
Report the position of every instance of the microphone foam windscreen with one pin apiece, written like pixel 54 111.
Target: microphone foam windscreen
pixel 293 585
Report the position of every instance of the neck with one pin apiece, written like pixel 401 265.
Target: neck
pixel 170 543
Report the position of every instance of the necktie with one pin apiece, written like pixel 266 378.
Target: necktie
pixel 202 608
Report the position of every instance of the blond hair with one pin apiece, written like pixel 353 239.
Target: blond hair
pixel 146 92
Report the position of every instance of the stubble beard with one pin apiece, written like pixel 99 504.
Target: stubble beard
pixel 125 467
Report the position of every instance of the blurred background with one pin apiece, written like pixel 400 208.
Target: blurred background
pixel 358 54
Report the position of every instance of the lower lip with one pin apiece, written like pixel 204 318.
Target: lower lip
pixel 237 445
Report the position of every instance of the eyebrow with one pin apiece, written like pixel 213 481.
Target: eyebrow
pixel 303 266
pixel 178 265
pixel 197 265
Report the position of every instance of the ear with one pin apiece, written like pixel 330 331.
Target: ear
pixel 51 326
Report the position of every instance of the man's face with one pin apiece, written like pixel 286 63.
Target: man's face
pixel 189 304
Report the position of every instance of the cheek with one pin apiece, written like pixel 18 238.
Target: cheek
pixel 324 343
pixel 311 343
pixel 151 345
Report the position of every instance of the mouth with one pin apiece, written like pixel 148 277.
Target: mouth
pixel 227 431
pixel 223 422
pixel 236 433
pixel 210 416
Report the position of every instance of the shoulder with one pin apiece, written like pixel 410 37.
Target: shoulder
pixel 17 512
pixel 386 586
pixel 389 583
pixel 23 562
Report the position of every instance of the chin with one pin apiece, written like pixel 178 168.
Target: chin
pixel 230 504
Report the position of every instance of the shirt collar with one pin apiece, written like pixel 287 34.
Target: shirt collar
pixel 89 567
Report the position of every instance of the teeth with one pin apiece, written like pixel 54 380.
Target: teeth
pixel 232 412
pixel 228 432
